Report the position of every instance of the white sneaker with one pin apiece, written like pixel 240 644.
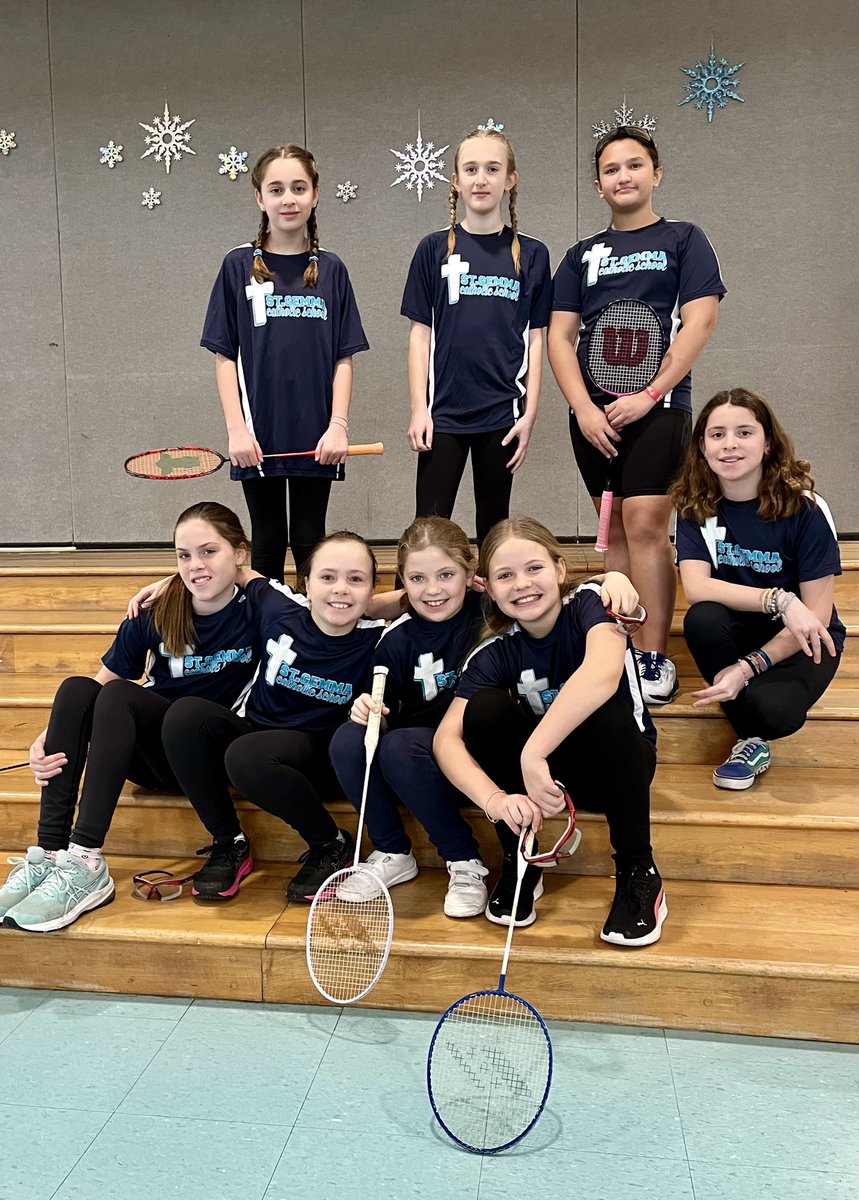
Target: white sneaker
pixel 69 891
pixel 466 892
pixel 390 868
pixel 26 875
pixel 658 675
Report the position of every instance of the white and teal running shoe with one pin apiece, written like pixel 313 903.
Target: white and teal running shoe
pixel 27 873
pixel 69 891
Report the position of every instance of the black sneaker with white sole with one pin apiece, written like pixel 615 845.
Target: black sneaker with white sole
pixel 320 862
pixel 500 904
pixel 229 863
pixel 639 908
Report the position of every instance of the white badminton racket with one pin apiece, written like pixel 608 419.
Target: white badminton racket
pixel 351 922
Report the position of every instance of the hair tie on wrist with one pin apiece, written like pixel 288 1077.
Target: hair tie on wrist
pixel 257 253
pixel 314 258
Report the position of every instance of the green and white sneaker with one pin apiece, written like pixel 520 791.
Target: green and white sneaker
pixel 27 873
pixel 69 891
pixel 749 758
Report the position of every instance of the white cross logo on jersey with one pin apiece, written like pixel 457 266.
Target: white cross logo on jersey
pixel 280 654
pixel 713 532
pixel 530 687
pixel 593 257
pixel 175 663
pixel 425 674
pixel 453 271
pixel 256 293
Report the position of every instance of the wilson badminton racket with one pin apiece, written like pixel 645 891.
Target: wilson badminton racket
pixel 194 462
pixel 626 347
pixel 351 922
pixel 490 1061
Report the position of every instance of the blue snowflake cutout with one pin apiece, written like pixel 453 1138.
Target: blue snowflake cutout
pixel 711 84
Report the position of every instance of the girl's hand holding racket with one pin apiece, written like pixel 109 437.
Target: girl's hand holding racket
pixel 521 430
pixel 146 597
pixel 45 766
pixel 541 787
pixel 332 447
pixel 244 449
pixel 517 812
pixel 807 628
pixel 628 409
pixel 617 593
pixel 596 428
pixel 363 707
pixel 420 431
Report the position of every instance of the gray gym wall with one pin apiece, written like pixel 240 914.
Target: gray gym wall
pixel 102 301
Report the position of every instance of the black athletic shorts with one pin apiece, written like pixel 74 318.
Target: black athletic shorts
pixel 650 454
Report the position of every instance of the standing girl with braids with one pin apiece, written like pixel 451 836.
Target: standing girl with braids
pixel 283 326
pixel 478 296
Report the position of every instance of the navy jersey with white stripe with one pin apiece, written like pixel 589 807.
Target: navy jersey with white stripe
pixel 286 340
pixel 307 679
pixel 481 314
pixel 533 670
pixel 667 264
pixel 424 661
pixel 219 667
pixel 741 547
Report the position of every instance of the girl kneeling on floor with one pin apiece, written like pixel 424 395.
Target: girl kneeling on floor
pixel 555 696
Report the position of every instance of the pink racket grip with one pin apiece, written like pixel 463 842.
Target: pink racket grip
pixel 605 520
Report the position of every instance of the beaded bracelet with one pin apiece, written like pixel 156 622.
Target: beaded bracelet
pixel 769 602
pixel 783 600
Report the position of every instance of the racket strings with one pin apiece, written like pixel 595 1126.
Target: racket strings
pixel 174 463
pixel 625 347
pixel 348 942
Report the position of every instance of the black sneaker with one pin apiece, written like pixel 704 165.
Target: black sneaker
pixel 500 904
pixel 229 863
pixel 319 863
pixel 639 908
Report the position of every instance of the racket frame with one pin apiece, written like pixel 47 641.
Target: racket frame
pixel 353 451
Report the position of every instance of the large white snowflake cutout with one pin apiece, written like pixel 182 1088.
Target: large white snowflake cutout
pixel 347 191
pixel 233 163
pixel 623 118
pixel 167 138
pixel 111 154
pixel 420 166
pixel 712 84
pixel 7 142
pixel 150 199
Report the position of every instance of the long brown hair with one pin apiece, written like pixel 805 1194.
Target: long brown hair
pixel 173 611
pixel 261 272
pixel 342 535
pixel 511 195
pixel 530 530
pixel 697 491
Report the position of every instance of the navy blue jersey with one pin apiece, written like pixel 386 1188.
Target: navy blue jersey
pixel 666 264
pixel 307 679
pixel 740 547
pixel 285 340
pixel 481 314
pixel 533 670
pixel 219 667
pixel 424 661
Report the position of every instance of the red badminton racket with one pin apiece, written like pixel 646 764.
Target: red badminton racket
pixel 194 462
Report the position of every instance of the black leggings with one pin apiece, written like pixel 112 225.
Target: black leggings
pixel 775 704
pixel 114 730
pixel 280 770
pixel 440 471
pixel 606 764
pixel 271 533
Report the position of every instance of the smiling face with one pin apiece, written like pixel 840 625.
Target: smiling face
pixel 525 582
pixel 627 176
pixel 435 585
pixel 207 564
pixel 287 196
pixel 734 445
pixel 339 586
pixel 483 174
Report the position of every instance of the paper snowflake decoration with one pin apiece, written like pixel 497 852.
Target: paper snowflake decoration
pixel 167 138
pixel 111 154
pixel 347 191
pixel 623 118
pixel 712 84
pixel 233 163
pixel 490 125
pixel 7 142
pixel 150 199
pixel 420 166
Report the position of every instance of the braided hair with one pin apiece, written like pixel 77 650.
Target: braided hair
pixel 511 195
pixel 261 272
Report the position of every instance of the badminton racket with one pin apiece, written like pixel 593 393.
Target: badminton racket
pixel 490 1061
pixel 15 767
pixel 194 462
pixel 351 921
pixel 626 347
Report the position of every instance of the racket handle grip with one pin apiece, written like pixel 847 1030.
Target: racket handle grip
pixel 605 521
pixel 371 737
pixel 366 448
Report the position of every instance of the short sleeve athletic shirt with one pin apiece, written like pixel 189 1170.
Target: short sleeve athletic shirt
pixel 741 547
pixel 307 679
pixel 220 666
pixel 424 661
pixel 285 340
pixel 667 264
pixel 481 314
pixel 533 670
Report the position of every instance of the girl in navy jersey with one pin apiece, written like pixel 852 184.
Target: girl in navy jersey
pixel 755 544
pixel 197 639
pixel 478 298
pixel 283 325
pixel 672 266
pixel 316 654
pixel 556 697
